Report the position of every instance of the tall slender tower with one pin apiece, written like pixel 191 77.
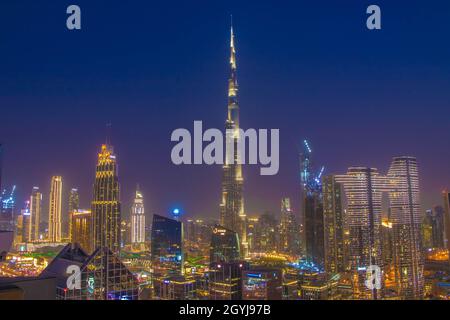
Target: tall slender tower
pixel 406 218
pixel 106 202
pixel 54 215
pixel 35 214
pixel 232 213
pixel 138 219
pixel 74 205
pixel 446 196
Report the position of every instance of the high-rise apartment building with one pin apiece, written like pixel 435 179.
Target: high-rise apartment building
pixel 54 213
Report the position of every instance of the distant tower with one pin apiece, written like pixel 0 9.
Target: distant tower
pixel 333 215
pixel 54 215
pixel 35 214
pixel 232 214
pixel 106 202
pixel 138 219
pixel 406 221
pixel 81 228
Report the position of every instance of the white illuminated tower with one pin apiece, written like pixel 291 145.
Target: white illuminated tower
pixel 138 219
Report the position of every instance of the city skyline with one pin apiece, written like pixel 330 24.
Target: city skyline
pixel 200 94
pixel 355 204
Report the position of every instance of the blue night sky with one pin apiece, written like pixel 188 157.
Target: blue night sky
pixel 309 68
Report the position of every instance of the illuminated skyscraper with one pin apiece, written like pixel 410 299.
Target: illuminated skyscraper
pixel 106 202
pixel 54 213
pixel 289 233
pixel 224 245
pixel 312 205
pixel 138 219
pixel 406 218
pixel 364 188
pixel 35 214
pixel 81 228
pixel 232 212
pixel 167 246
pixel 333 215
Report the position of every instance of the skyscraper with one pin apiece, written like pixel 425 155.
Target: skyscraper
pixel 406 218
pixel 74 200
pixel 312 205
pixel 289 234
pixel 167 246
pixel 364 188
pixel 35 214
pixel 74 204
pixel 333 215
pixel 232 212
pixel 106 202
pixel 1 170
pixel 138 219
pixel 54 213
